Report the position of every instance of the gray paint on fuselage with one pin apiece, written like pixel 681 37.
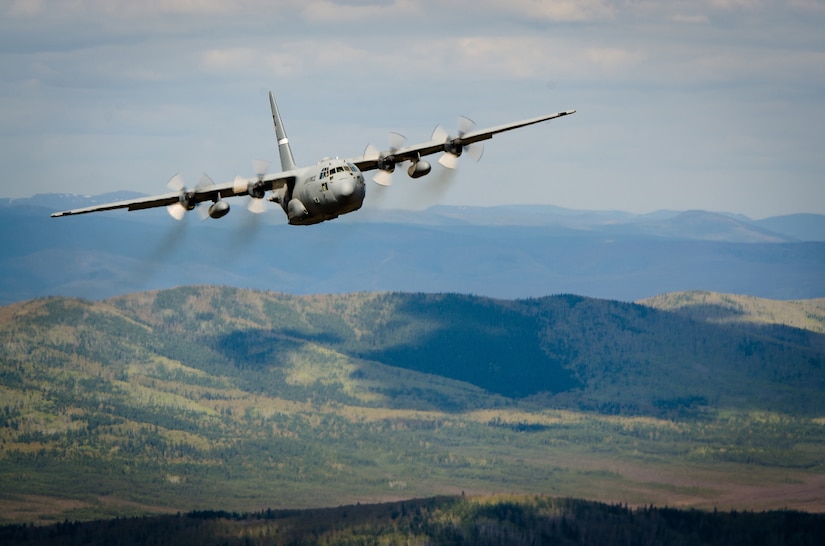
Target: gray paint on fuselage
pixel 325 191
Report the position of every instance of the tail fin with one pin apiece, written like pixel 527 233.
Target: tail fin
pixel 287 161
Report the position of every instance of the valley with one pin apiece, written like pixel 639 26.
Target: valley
pixel 201 398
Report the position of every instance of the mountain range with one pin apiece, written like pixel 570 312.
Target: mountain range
pixel 204 397
pixel 504 252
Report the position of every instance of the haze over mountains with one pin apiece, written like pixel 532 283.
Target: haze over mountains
pixel 204 397
pixel 506 252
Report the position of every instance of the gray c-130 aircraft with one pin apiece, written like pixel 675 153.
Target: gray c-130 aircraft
pixel 326 190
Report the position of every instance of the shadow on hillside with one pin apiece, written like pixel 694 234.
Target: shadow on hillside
pixel 472 340
pixel 564 351
pixel 256 349
pixel 726 317
pixel 710 312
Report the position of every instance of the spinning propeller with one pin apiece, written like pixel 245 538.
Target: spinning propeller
pixel 453 145
pixel 186 200
pixel 257 205
pixel 386 161
pixel 256 189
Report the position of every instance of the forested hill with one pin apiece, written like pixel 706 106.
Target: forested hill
pixel 563 351
pixel 514 521
pixel 217 398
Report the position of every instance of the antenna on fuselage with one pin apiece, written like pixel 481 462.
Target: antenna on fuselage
pixel 287 161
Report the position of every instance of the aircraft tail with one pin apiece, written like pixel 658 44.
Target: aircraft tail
pixel 287 161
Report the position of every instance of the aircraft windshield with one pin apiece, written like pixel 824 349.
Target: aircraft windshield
pixel 332 169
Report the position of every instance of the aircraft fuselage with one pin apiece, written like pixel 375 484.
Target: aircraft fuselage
pixel 322 192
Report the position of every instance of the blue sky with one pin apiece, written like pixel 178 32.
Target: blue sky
pixel 709 104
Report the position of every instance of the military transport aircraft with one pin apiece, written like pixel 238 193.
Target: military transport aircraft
pixel 324 191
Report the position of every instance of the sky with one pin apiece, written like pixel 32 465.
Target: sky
pixel 705 104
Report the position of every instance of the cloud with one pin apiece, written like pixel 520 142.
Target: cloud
pixel 561 11
pixel 161 86
pixel 689 19
pixel 364 11
pixel 121 8
pixel 236 59
pixel 25 8
pixel 735 4
pixel 813 6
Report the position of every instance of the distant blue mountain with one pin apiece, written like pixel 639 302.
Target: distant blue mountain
pixel 804 227
pixel 505 252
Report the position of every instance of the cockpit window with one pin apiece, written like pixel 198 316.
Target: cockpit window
pixel 353 167
pixel 339 170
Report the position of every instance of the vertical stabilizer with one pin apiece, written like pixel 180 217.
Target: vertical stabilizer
pixel 287 161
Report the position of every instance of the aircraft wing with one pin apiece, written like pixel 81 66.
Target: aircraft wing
pixel 414 152
pixel 239 186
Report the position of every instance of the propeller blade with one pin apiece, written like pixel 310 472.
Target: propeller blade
pixel 371 152
pixel 260 166
pixel 383 178
pixel 203 211
pixel 440 134
pixel 204 182
pixel 176 183
pixel 256 206
pixel 448 160
pixel 475 151
pixel 396 141
pixel 176 211
pixel 465 125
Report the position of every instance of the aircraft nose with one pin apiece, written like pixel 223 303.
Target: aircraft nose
pixel 344 188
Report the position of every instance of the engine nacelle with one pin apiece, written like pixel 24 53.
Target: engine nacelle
pixel 218 209
pixel 454 146
pixel 187 200
pixel 387 163
pixel 256 190
pixel 419 169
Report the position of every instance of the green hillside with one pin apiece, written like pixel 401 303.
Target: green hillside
pixel 582 353
pixel 217 398
pixel 744 311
